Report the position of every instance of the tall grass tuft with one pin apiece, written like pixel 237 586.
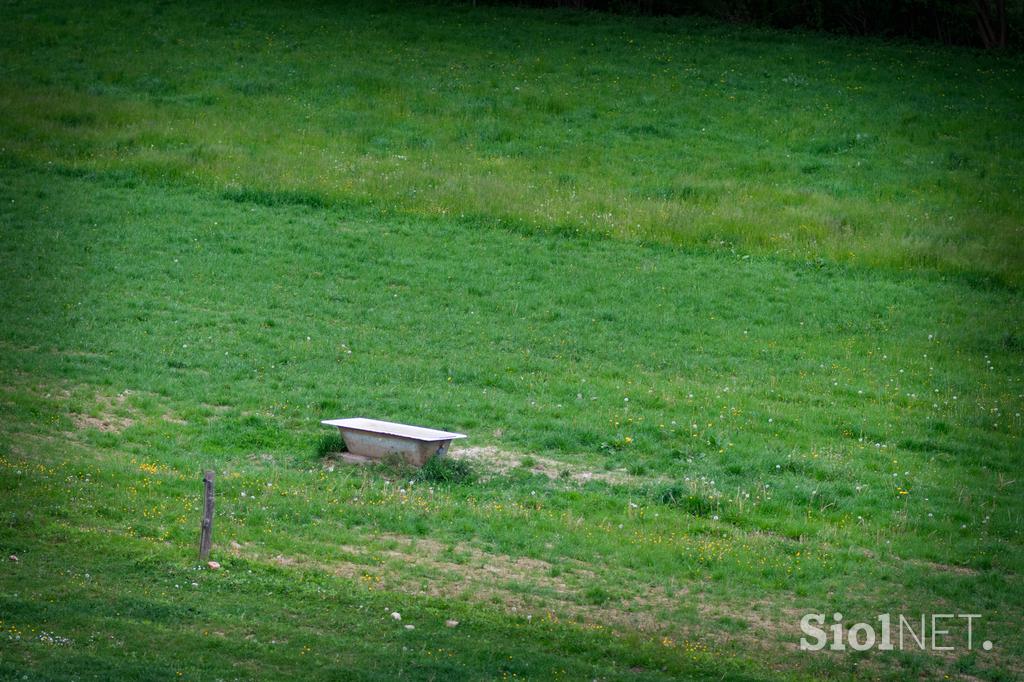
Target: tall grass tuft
pixel 329 445
pixel 446 470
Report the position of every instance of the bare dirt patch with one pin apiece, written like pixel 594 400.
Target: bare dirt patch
pixel 106 423
pixel 111 415
pixel 496 461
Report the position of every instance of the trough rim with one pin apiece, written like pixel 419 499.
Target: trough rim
pixel 394 429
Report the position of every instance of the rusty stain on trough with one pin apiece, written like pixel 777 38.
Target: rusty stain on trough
pixel 375 439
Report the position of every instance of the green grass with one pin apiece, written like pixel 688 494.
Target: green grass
pixel 687 448
pixel 778 414
pixel 671 130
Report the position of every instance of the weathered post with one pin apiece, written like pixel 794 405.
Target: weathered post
pixel 206 539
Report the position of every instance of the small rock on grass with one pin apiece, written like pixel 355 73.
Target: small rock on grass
pixel 396 615
pixel 13 557
pixel 410 627
pixel 213 565
pixel 451 623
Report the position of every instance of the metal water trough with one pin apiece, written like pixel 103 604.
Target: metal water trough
pixel 374 439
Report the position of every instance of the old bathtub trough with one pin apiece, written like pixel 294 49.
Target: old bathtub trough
pixel 373 440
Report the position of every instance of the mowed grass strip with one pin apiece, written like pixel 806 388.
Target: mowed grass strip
pixel 666 129
pixel 766 438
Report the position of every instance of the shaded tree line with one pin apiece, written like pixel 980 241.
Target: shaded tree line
pixel 992 24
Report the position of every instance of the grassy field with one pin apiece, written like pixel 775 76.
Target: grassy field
pixel 656 129
pixel 733 319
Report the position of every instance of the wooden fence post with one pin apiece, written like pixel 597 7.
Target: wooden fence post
pixel 206 539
